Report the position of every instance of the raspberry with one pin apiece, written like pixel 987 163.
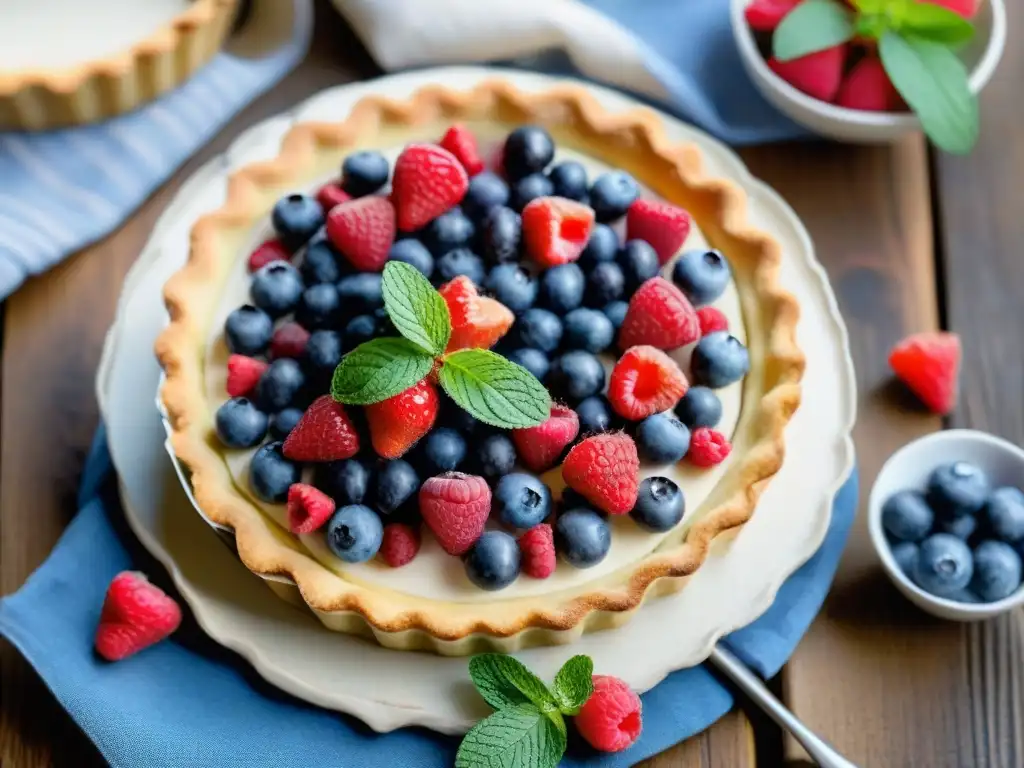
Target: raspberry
pixel 243 374
pixel 645 381
pixel 331 195
pixel 538 548
pixel 659 315
pixel 289 340
pixel 477 321
pixel 136 614
pixel 266 252
pixel 766 15
pixel 462 143
pixel 308 508
pixel 398 422
pixel 816 74
pixel 428 180
pixel 539 447
pixel 455 507
pixel 400 544
pixel 663 225
pixel 324 433
pixel 556 230
pixel 363 230
pixel 868 87
pixel 604 469
pixel 708 447
pixel 612 718
pixel 711 320
pixel 929 364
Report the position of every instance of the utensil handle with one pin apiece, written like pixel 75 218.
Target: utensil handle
pixel 819 750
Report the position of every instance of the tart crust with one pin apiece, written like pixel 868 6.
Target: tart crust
pixel 633 141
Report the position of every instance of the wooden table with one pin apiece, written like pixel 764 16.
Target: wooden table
pixel 912 240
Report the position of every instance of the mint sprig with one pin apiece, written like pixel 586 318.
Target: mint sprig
pixel 518 736
pixel 495 390
pixel 417 311
pixel 379 369
pixel 574 683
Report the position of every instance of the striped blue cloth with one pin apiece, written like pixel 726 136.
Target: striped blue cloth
pixel 62 190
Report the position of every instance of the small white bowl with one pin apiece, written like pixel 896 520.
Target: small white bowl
pixel 982 56
pixel 909 468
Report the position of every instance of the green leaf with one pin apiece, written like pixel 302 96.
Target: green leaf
pixel 933 81
pixel 379 369
pixel 574 683
pixel 416 309
pixel 504 681
pixel 934 22
pixel 519 736
pixel 812 26
pixel 494 390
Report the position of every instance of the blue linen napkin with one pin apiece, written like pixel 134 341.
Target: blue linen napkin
pixel 182 704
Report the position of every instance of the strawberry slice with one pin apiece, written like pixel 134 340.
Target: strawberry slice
pixel 428 180
pixel 556 229
pixel 136 614
pixel 929 364
pixel 462 143
pixel 663 225
pixel 398 422
pixel 868 87
pixel 244 374
pixel 539 447
pixel 363 230
pixel 766 15
pixel 477 321
pixel 324 433
pixel 816 74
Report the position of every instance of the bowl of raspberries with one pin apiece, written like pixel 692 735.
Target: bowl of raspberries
pixel 870 71
pixel 946 515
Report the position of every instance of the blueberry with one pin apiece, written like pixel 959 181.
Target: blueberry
pixel 414 253
pixel 561 288
pixel 397 483
pixel 346 481
pixel 487 190
pixel 699 407
pixel 639 262
pixel 1004 514
pixel 719 359
pixel 569 179
pixel 360 293
pixel 240 424
pixel 662 439
pixel 611 195
pixel 944 565
pixel 605 283
pixel 363 173
pixel 322 353
pixel 521 500
pixel 955 489
pixel 961 526
pixel 906 516
pixel 501 236
pixel 320 264
pixel 442 451
pixel 616 312
pixel 279 385
pixel 595 415
pixel 528 149
pixel 283 422
pixel 997 571
pixel 358 330
pixel 512 286
pixel 529 188
pixel 582 537
pixel 533 360
pixel 451 230
pixel 539 328
pixel 495 456
pixel 354 533
pixel 461 261
pixel 701 275
pixel 493 561
pixel 659 505
pixel 575 376
pixel 602 246
pixel 296 218
pixel 905 555
pixel 248 330
pixel 318 307
pixel 271 474
pixel 587 329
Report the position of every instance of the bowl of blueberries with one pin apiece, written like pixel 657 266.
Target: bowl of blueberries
pixel 946 516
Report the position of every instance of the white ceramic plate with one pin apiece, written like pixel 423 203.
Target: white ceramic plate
pixel 389 689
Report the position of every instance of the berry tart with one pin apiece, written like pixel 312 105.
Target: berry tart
pixel 479 370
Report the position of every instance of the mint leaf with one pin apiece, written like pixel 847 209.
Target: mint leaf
pixel 504 681
pixel 812 26
pixel 933 81
pixel 379 369
pixel 416 309
pixel 519 736
pixel 574 683
pixel 933 22
pixel 494 390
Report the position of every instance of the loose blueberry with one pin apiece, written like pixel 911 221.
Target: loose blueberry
pixel 521 500
pixel 699 407
pixel 997 571
pixel 533 360
pixel 582 537
pixel 605 283
pixel 528 149
pixel 347 481
pixel 569 179
pixel 247 330
pixel 587 329
pixel 616 312
pixel 944 565
pixel 354 533
pixel 659 505
pixel 701 275
pixel 906 516
pixel 397 483
pixel 460 262
pixel 413 253
pixel 442 451
pixel 318 307
pixel 493 561
pixel 283 422
pixel 271 474
pixel 539 328
pixel 529 188
pixel 961 526
pixel 358 330
pixel 561 288
pixel 360 293
pixel 575 376
pixel 451 230
pixel 611 195
pixel 279 385
pixel 1004 514
pixel 320 264
pixel 662 439
pixel 512 286
pixel 487 190
pixel 495 457
pixel 602 246
pixel 296 218
pixel 639 262
pixel 502 233
pixel 240 424
pixel 596 415
pixel 905 555
pixel 719 359
pixel 955 489
pixel 322 353
pixel 276 288
pixel 363 173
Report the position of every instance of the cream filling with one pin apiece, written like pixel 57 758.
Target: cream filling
pixel 434 574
